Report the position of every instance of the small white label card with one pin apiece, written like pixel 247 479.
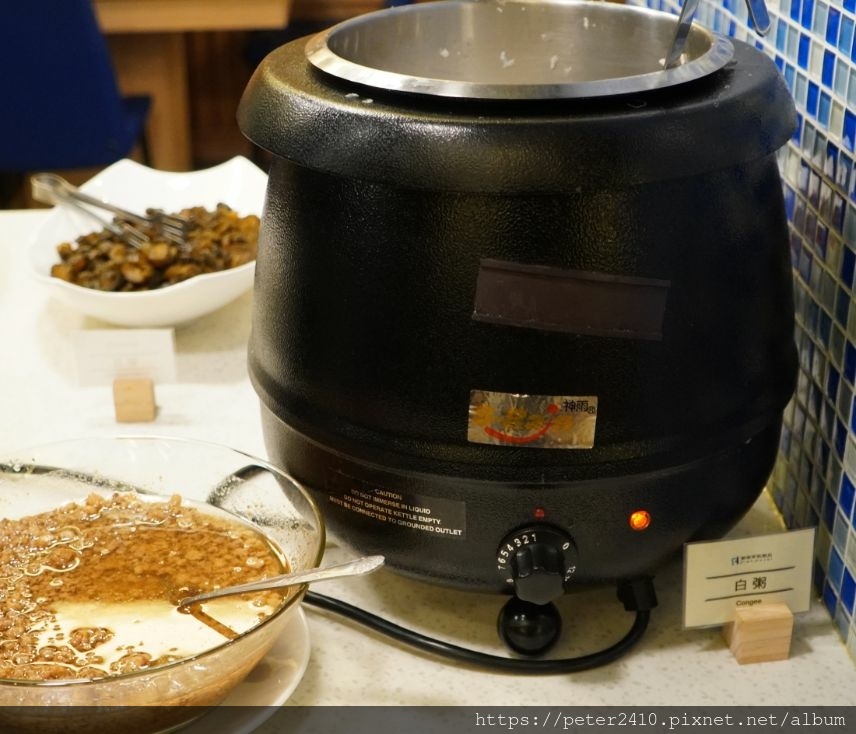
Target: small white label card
pixel 722 576
pixel 102 355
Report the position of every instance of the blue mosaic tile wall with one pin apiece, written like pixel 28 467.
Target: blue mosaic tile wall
pixel 814 482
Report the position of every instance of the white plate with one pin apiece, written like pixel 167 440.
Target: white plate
pixel 267 687
pixel 237 182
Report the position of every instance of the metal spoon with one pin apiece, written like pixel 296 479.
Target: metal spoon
pixel 360 566
pixel 760 16
pixel 757 12
pixel 685 21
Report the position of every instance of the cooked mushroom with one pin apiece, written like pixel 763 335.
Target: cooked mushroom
pixel 218 240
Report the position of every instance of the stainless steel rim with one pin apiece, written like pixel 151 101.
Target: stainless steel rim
pixel 322 54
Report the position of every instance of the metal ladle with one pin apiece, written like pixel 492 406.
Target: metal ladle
pixel 360 566
pixel 757 11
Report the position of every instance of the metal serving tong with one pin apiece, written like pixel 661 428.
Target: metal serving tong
pixel 49 188
pixel 757 11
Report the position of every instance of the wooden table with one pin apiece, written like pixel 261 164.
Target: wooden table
pixel 147 41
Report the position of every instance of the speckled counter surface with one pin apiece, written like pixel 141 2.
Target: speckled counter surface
pixel 40 401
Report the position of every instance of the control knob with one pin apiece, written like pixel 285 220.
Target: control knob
pixel 537 561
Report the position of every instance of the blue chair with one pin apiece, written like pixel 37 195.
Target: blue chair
pixel 61 105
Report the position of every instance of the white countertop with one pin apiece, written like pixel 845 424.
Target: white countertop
pixel 40 401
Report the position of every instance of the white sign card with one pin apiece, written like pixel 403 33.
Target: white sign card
pixel 723 576
pixel 102 355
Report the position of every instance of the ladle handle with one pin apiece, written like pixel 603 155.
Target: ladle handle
pixel 685 21
pixel 760 16
pixel 357 567
pixel 757 11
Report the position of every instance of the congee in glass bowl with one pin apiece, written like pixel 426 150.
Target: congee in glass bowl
pixel 100 539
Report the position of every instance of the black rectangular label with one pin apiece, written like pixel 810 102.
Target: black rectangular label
pixel 572 301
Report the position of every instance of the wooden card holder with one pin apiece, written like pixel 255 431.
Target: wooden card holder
pixel 760 633
pixel 134 399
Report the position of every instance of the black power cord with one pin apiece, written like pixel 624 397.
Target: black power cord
pixel 637 595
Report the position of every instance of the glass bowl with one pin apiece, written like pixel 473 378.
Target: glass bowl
pixel 171 695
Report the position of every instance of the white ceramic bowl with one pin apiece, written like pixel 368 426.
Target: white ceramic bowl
pixel 237 182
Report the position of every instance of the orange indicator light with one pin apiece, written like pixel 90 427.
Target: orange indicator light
pixel 539 513
pixel 640 519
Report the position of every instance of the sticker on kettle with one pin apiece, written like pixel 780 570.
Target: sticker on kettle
pixel 532 421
